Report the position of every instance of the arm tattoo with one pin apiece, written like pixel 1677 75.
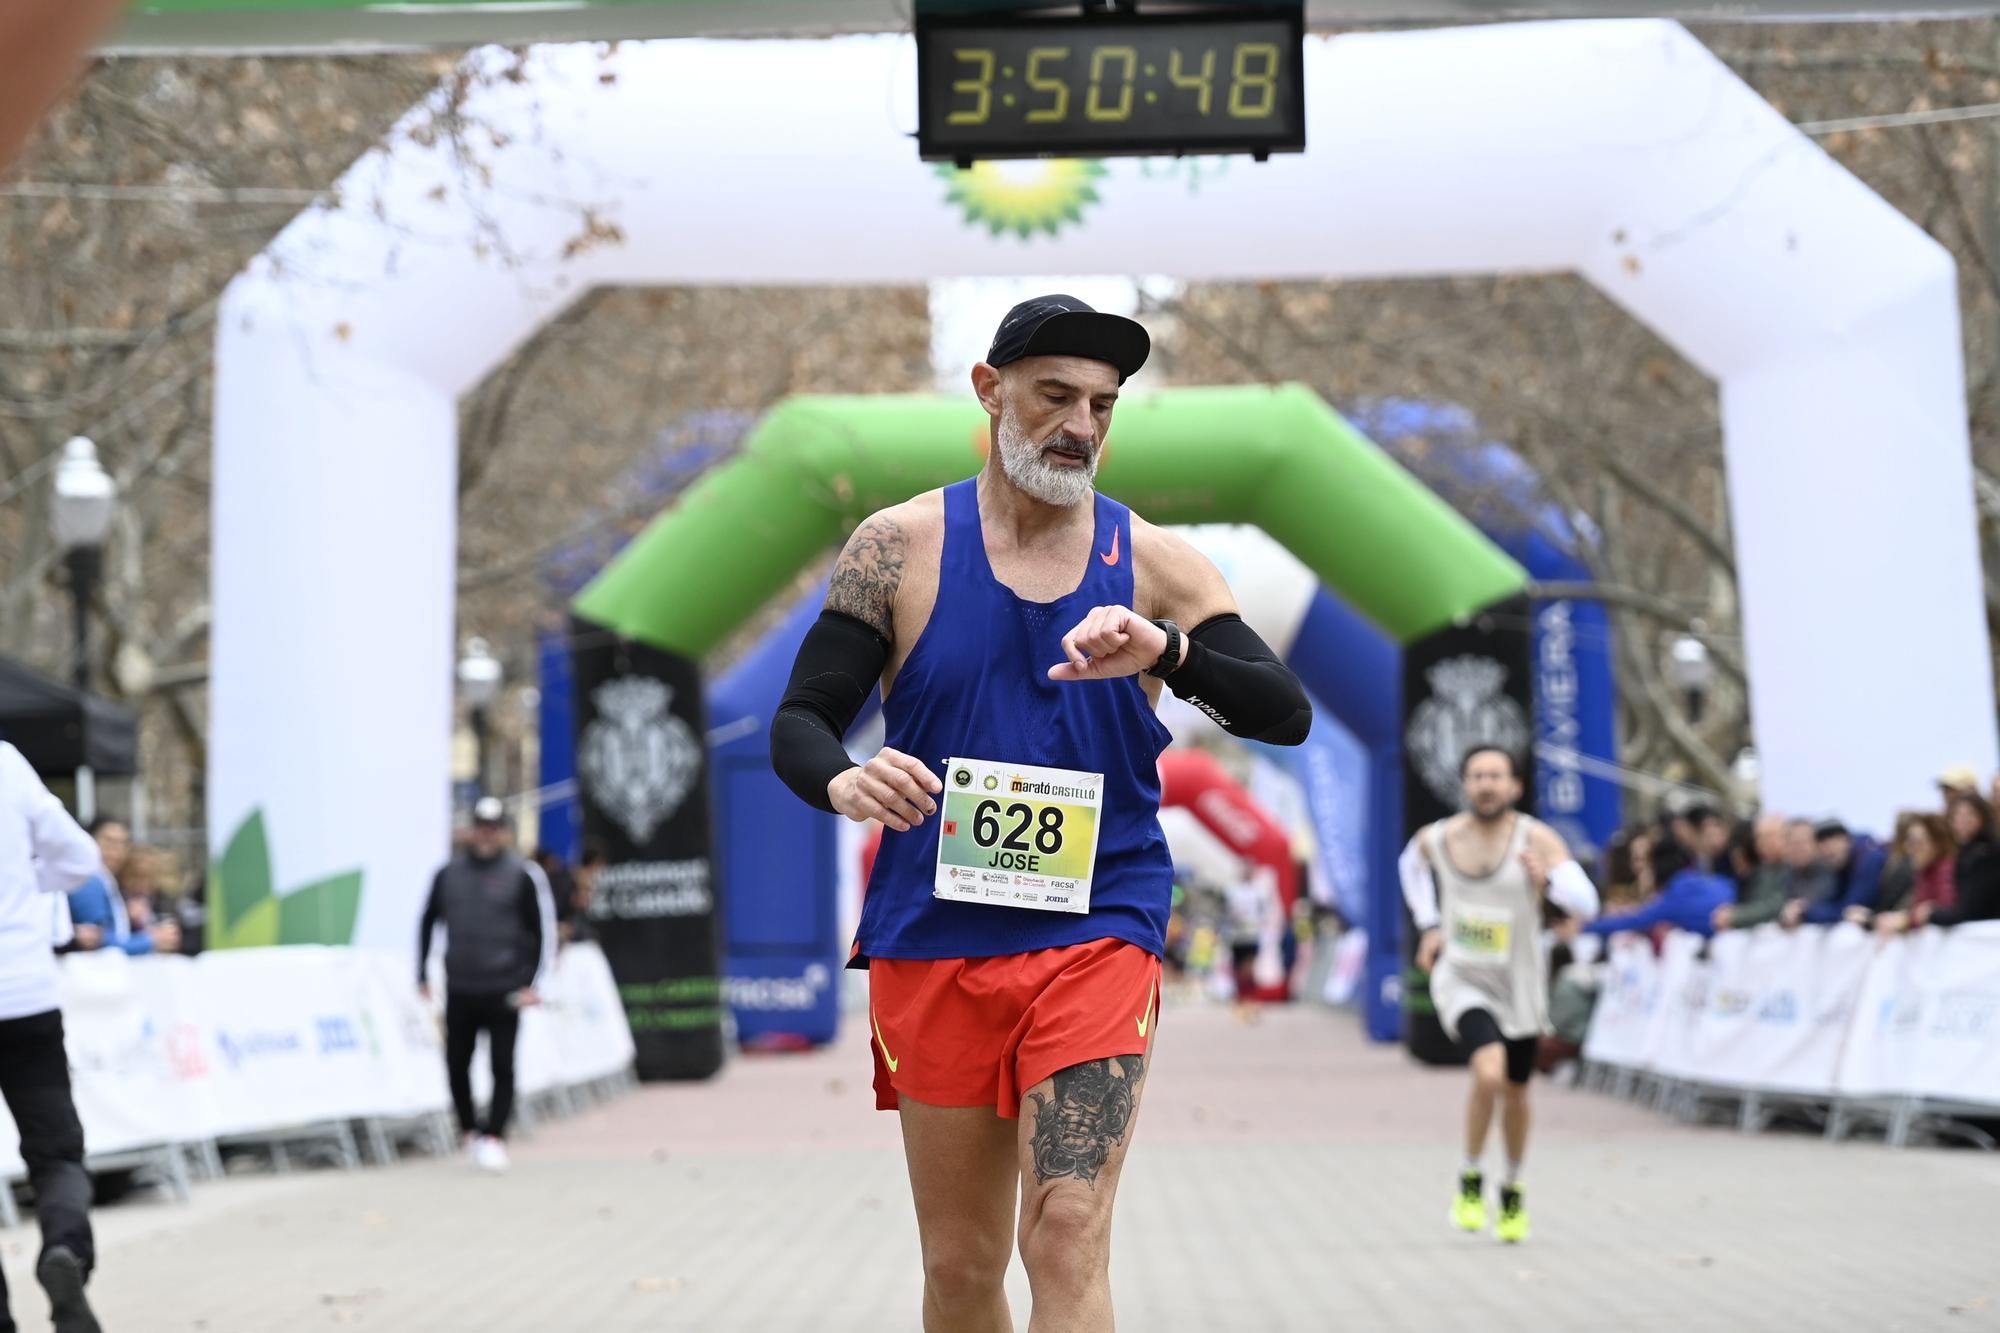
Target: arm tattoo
pixel 869 571
pixel 1089 1116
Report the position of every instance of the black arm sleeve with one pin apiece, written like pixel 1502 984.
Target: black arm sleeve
pixel 530 908
pixel 1234 677
pixel 839 662
pixel 432 910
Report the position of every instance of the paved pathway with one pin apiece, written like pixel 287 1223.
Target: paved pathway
pixel 1287 1177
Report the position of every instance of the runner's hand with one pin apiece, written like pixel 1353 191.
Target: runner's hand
pixel 1428 948
pixel 892 787
pixel 1111 641
pixel 1538 870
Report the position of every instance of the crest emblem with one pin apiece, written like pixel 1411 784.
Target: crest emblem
pixel 1466 708
pixel 637 760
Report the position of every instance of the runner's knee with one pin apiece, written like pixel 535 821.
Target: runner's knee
pixel 1489 1068
pixel 1067 1236
pixel 965 1268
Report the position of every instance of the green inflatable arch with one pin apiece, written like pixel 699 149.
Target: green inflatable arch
pixel 1277 457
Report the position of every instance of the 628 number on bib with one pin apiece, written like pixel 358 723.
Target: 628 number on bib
pixel 987 829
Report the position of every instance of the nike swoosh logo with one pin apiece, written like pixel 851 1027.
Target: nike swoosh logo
pixel 891 1060
pixel 1112 558
pixel 1147 1021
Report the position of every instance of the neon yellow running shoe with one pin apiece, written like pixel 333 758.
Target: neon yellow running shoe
pixel 1513 1226
pixel 1468 1209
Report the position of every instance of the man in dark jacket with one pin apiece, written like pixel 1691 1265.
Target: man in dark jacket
pixel 499 922
pixel 1856 867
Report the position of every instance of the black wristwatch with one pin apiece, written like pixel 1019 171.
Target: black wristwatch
pixel 1170 654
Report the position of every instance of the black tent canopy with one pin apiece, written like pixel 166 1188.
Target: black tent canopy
pixel 59 729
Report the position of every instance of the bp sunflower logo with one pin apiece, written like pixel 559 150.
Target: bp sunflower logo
pixel 1023 197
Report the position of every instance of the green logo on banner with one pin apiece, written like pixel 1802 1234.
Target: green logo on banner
pixel 1023 197
pixel 245 912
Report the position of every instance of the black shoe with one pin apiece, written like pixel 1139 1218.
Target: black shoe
pixel 61 1274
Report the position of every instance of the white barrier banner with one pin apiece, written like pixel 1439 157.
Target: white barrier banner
pixel 293 1045
pixel 577 1033
pixel 1628 992
pixel 244 1041
pixel 406 1031
pixel 1779 1007
pixel 1957 1055
pixel 1876 1060
pixel 1683 994
pixel 596 1040
pixel 1821 1011
pixel 120 1074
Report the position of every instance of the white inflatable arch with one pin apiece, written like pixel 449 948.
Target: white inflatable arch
pixel 1623 151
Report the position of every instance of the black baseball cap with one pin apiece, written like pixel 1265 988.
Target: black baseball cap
pixel 489 811
pixel 1061 325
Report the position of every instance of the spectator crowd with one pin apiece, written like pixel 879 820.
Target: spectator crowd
pixel 1698 870
pixel 126 906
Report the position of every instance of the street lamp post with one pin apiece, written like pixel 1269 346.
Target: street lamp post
pixel 1693 673
pixel 1747 772
pixel 479 675
pixel 80 515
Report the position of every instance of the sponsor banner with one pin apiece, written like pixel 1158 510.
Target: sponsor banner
pixel 175 1050
pixel 1672 1043
pixel 121 1073
pixel 1821 1011
pixel 643 784
pixel 1957 1040
pixel 1628 992
pixel 577 1033
pixel 1779 1007
pixel 1878 1059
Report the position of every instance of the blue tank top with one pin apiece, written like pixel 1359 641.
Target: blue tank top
pixel 976 686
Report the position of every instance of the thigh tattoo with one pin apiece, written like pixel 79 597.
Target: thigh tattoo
pixel 1089 1115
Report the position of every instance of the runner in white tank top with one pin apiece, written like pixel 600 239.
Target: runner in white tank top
pixel 1475 884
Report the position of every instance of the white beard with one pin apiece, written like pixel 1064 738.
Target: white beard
pixel 1052 483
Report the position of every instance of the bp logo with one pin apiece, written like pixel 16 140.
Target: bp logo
pixel 992 783
pixel 1023 197
pixel 1466 707
pixel 637 760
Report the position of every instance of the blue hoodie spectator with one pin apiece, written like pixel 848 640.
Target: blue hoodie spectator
pixel 1688 902
pixel 97 902
pixel 1856 864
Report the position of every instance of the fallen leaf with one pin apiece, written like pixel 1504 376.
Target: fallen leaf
pixel 658 1284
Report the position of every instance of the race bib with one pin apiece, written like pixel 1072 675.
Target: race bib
pixel 1481 931
pixel 1014 835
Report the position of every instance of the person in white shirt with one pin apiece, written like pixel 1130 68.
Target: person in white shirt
pixel 43 855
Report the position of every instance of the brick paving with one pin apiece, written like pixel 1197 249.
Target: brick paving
pixel 1287 1176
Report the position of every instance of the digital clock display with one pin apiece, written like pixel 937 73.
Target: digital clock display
pixel 1115 83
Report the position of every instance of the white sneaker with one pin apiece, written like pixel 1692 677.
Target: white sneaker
pixel 469 1145
pixel 490 1154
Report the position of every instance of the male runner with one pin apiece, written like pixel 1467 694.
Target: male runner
pixel 1020 626
pixel 1489 975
